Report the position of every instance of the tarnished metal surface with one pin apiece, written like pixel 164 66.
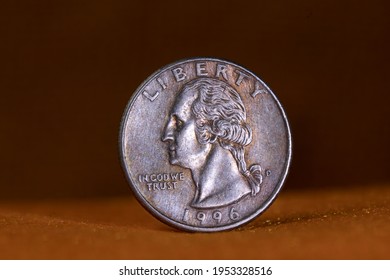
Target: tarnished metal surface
pixel 205 145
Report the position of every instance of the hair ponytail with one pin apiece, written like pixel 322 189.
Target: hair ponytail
pixel 253 174
pixel 254 178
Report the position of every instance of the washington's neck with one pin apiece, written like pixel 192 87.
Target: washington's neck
pixel 219 181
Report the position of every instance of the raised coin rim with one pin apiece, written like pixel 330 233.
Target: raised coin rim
pixel 150 208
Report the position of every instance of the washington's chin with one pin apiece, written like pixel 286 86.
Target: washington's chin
pixel 175 161
pixel 172 158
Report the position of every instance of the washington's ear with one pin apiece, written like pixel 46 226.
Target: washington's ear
pixel 203 133
pixel 212 139
pixel 205 137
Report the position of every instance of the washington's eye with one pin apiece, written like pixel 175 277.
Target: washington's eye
pixel 179 123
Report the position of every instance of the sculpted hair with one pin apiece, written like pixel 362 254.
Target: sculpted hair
pixel 220 116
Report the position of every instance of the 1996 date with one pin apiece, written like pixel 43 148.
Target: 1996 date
pixel 242 270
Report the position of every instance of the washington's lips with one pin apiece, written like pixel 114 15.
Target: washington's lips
pixel 171 150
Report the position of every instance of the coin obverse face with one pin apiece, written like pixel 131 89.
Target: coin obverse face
pixel 205 145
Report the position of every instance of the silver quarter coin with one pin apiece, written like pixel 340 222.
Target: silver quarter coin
pixel 205 145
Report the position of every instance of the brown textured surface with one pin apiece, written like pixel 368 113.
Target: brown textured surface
pixel 331 224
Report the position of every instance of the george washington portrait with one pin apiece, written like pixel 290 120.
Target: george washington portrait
pixel 207 132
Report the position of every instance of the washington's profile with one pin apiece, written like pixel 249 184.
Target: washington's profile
pixel 207 132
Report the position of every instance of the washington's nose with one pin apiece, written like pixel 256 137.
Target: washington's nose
pixel 168 133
